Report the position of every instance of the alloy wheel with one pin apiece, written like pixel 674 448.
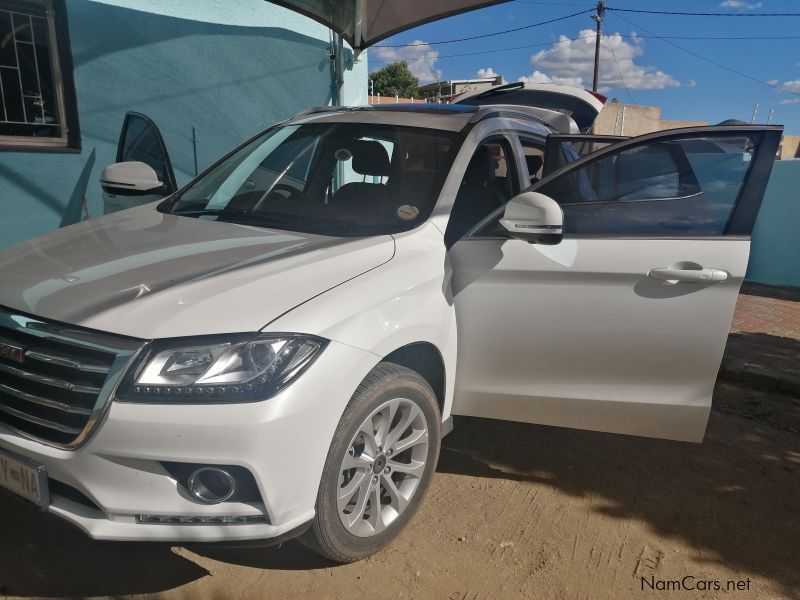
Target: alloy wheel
pixel 382 467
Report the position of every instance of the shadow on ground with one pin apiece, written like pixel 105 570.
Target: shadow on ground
pixel 41 555
pixel 733 499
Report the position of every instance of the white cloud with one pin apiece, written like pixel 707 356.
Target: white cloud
pixel 740 4
pixel 421 59
pixel 790 101
pixel 539 77
pixel 773 82
pixel 790 86
pixel 571 62
pixel 486 73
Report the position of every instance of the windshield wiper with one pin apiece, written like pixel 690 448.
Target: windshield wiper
pixel 245 217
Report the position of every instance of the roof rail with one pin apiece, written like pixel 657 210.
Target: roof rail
pixel 317 109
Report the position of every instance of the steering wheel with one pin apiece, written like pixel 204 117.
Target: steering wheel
pixel 293 192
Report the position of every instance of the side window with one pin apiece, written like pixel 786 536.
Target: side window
pixel 38 108
pixel 563 149
pixel 534 158
pixel 504 180
pixel 141 141
pixel 489 182
pixel 680 186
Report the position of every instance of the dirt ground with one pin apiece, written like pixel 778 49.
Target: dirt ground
pixel 515 511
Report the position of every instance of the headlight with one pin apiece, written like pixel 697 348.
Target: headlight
pixel 216 369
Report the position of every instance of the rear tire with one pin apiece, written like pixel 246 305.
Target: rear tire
pixel 379 465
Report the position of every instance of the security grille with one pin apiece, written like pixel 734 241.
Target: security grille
pixel 29 92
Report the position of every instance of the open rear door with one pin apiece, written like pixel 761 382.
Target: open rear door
pixel 580 105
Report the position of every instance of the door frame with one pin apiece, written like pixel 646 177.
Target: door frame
pixel 171 183
pixel 747 204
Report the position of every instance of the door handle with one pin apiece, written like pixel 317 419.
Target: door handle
pixel 688 275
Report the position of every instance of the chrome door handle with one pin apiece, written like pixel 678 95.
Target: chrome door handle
pixel 689 275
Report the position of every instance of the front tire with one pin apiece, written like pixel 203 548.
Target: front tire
pixel 379 466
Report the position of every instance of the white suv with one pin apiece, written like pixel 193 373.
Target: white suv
pixel 277 348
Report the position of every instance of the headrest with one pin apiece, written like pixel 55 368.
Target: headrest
pixel 534 164
pixel 481 168
pixel 370 158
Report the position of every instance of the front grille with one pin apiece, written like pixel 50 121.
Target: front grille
pixel 55 379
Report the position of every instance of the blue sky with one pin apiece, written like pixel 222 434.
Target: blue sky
pixel 655 72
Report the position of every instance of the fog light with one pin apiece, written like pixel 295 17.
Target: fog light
pixel 211 485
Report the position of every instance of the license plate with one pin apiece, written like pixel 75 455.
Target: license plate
pixel 24 478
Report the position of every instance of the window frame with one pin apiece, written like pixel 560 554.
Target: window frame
pixel 171 185
pixel 554 148
pixel 540 144
pixel 745 208
pixel 63 85
pixel 509 143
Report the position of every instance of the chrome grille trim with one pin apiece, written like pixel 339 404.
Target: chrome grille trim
pixel 62 361
pixel 60 389
pixel 39 421
pixel 54 404
pixel 59 383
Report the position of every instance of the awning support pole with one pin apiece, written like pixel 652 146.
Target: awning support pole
pixel 337 68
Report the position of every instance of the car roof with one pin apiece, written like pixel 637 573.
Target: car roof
pixel 446 117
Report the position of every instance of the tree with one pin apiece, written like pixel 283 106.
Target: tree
pixel 395 79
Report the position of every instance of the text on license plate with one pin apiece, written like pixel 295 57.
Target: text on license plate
pixel 24 479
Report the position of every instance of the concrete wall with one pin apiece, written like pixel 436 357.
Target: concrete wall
pixel 775 250
pixel 618 118
pixel 228 69
pixel 790 147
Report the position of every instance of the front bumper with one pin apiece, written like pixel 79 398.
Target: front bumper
pixel 282 441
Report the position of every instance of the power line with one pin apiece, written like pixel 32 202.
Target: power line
pixel 485 35
pixel 551 3
pixel 701 14
pixel 622 79
pixel 708 60
pixel 526 46
pixel 587 37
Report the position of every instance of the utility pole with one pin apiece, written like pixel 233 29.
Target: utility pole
pixel 601 10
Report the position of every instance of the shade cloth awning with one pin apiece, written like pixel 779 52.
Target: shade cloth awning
pixel 363 23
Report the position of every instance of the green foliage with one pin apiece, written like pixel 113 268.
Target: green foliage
pixel 395 79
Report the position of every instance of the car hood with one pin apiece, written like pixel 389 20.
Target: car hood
pixel 149 275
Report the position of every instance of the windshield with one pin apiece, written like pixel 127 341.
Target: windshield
pixel 342 179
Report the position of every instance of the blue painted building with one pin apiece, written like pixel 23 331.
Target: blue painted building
pixel 208 73
pixel 775 249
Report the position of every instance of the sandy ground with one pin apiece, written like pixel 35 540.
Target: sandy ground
pixel 515 511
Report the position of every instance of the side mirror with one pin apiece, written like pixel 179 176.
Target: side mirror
pixel 535 218
pixel 129 184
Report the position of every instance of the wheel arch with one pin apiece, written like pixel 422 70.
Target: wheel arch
pixel 427 360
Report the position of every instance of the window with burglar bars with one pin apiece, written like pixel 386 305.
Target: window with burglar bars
pixel 32 99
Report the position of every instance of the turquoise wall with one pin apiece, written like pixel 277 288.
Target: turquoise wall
pixel 775 250
pixel 228 69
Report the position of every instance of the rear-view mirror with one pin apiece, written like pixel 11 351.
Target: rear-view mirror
pixel 129 184
pixel 535 218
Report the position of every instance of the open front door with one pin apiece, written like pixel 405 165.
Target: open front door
pixel 621 326
pixel 564 149
pixel 140 142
